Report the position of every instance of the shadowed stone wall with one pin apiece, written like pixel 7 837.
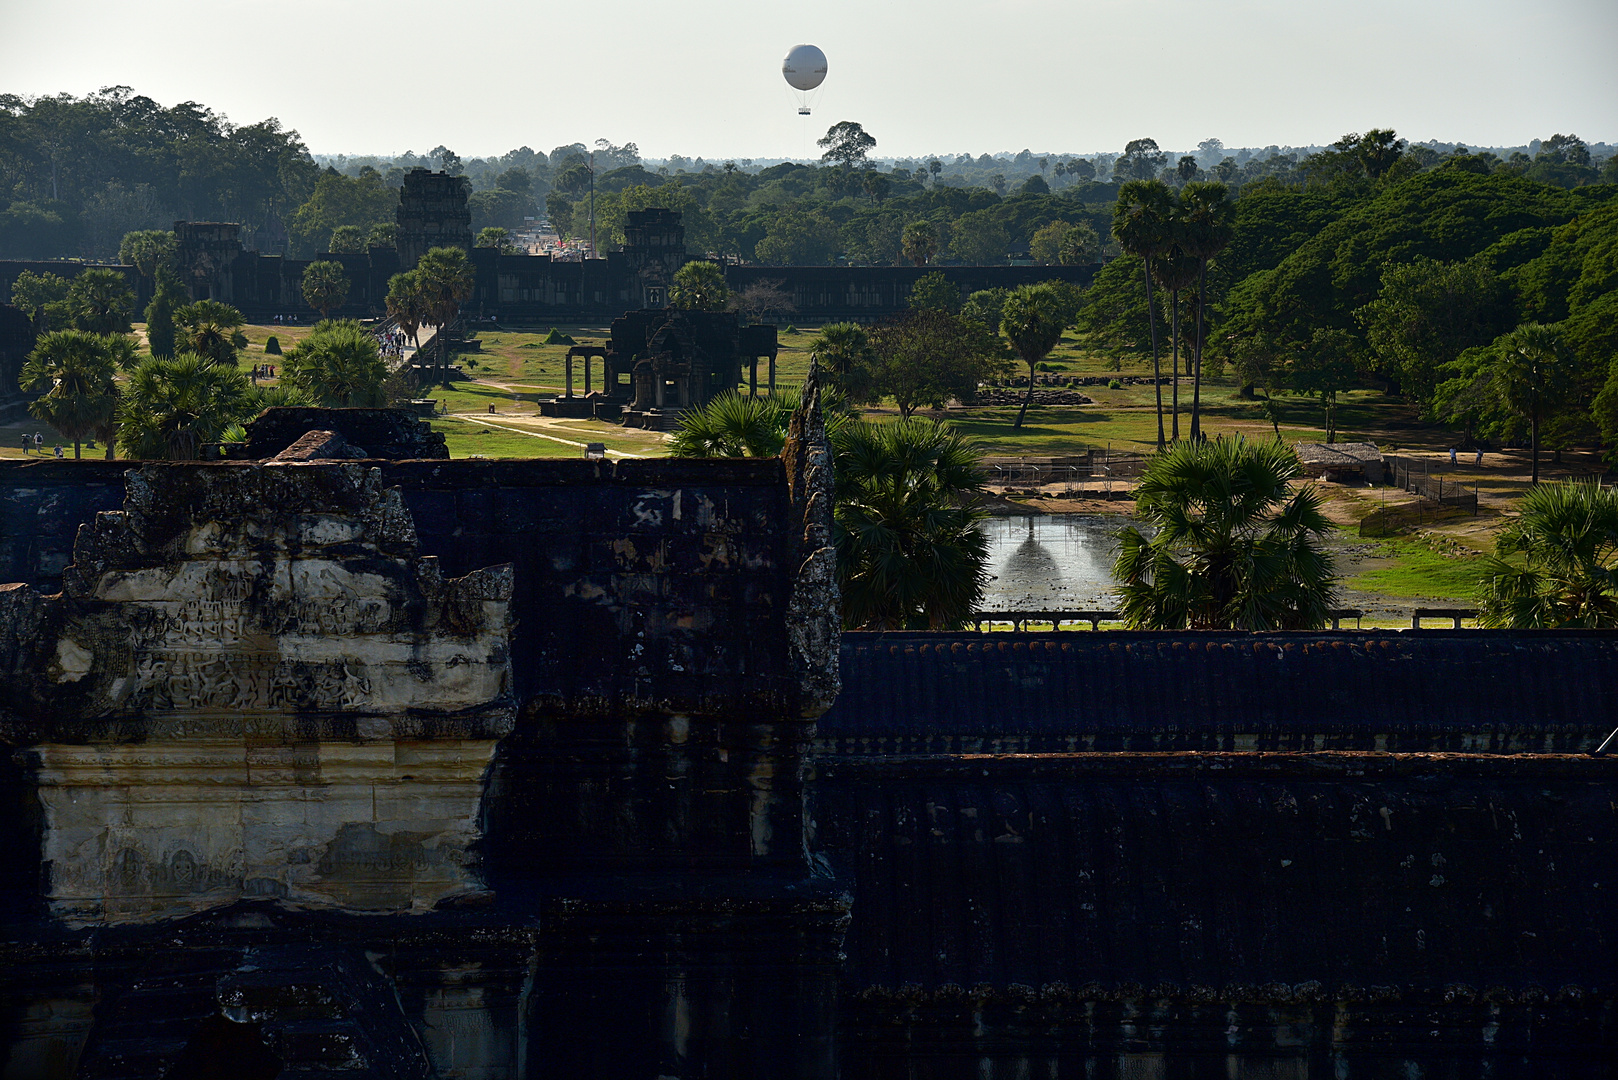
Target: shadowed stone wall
pixel 626 884
pixel 1099 855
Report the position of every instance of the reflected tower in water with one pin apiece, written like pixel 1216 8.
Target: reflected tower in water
pixel 1049 562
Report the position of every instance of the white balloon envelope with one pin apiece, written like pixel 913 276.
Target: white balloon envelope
pixel 804 70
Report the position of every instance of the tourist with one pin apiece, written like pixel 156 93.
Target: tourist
pixel 1452 457
pixel 58 450
pixel 25 442
pixel 39 443
pixel 1480 455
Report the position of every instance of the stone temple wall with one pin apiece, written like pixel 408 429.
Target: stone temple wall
pixel 499 769
pixel 294 788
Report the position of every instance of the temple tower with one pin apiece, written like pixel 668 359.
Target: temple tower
pixel 432 213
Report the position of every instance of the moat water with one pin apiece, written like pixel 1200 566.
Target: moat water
pixel 1050 562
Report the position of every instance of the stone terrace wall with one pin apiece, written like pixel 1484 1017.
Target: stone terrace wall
pixel 1194 855
pixel 1454 690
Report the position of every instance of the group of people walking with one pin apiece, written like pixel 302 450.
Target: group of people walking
pixel 35 443
pixel 392 344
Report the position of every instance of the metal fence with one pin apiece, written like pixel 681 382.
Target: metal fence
pixel 1072 472
pixel 1036 622
pixel 1415 475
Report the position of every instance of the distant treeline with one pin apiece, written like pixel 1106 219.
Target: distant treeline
pixel 77 174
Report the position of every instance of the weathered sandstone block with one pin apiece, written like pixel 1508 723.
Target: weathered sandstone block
pixel 252 685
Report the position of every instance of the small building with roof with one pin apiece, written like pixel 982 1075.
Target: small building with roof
pixel 1343 462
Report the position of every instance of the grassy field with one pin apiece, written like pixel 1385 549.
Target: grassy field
pixel 465 438
pixel 1422 565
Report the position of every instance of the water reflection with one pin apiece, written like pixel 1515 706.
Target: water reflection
pixel 1049 562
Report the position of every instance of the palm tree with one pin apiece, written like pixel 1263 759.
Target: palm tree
pixel 734 425
pixel 905 515
pixel 101 302
pixel 910 554
pixel 210 329
pixel 1530 369
pixel 1567 534
pixel 404 302
pixel 699 285
pixel 1032 320
pixel 1175 271
pixel 445 279
pixel 1235 546
pixel 338 366
pixel 919 242
pixel 1140 224
pixel 173 406
pixel 1206 230
pixel 73 371
pixel 844 352
pixel 325 286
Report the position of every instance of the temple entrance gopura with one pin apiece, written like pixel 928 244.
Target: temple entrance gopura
pixel 660 362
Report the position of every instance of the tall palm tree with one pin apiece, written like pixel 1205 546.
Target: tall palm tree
pixel 173 406
pixel 1176 271
pixel 101 302
pixel 1207 226
pixel 1529 371
pixel 910 554
pixel 1032 320
pixel 446 279
pixel 1140 224
pixel 1235 547
pixel 72 370
pixel 1567 534
pixel 338 366
pixel 405 303
pixel 325 285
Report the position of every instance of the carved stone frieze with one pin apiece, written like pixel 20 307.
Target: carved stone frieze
pixel 253 685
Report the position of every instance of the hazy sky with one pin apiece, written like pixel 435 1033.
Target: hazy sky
pixel 703 76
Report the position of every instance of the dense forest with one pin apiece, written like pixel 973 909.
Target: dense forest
pixel 1367 262
pixel 76 174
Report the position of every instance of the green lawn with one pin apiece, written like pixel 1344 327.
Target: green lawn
pixel 1420 568
pixel 466 439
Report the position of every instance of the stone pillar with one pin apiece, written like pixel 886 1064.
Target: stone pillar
pixel 772 374
pixel 586 374
pixel 752 377
pixel 568 363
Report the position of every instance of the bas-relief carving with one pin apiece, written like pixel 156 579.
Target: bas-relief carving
pixel 232 616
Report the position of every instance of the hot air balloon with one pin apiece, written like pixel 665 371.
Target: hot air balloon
pixel 804 70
